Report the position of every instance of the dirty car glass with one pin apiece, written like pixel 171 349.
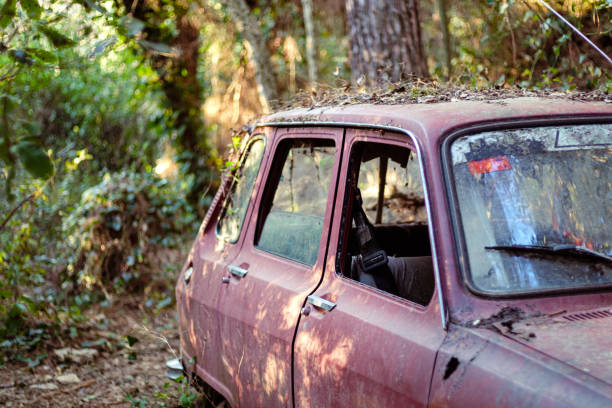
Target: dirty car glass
pixel 538 187
pixel 234 210
pixel 293 226
pixel 403 198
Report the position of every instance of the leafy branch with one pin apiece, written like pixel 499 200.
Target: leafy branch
pixel 14 210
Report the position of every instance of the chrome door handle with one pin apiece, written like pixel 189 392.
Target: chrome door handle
pixel 317 301
pixel 237 271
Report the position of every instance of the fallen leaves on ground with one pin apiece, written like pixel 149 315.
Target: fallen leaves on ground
pixel 110 372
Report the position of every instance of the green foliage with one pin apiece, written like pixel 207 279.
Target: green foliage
pixel 73 125
pixel 137 402
pixel 7 12
pixel 119 222
pixel 31 7
pixel 53 92
pixel 34 159
pixel 520 43
pixel 132 340
pixel 58 253
pixel 22 47
pixel 187 398
pixel 57 39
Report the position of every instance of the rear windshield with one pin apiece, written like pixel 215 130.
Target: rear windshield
pixel 535 207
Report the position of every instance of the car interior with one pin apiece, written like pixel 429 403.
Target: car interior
pixel 385 242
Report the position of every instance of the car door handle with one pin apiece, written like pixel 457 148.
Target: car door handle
pixel 237 271
pixel 317 301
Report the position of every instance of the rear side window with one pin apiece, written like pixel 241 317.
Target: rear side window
pixel 296 200
pixel 234 209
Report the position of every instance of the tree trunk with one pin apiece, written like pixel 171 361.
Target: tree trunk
pixel 442 7
pixel 310 42
pixel 385 40
pixel 179 82
pixel 260 56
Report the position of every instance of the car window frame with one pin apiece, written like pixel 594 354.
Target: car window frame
pixel 273 178
pixel 398 139
pixel 256 137
pixel 458 236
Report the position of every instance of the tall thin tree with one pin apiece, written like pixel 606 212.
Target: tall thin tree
pixel 442 7
pixel 310 41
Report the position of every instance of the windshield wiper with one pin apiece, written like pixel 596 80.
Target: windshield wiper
pixel 565 249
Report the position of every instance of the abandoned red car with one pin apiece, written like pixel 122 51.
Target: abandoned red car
pixel 445 254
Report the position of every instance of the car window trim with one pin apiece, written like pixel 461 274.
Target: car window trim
pixel 456 224
pixel 273 177
pixel 419 151
pixel 248 145
pixel 365 139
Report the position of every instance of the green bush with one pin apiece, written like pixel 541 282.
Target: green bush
pixel 120 223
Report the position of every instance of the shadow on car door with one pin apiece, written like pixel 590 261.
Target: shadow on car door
pixel 279 264
pixel 217 244
pixel 357 346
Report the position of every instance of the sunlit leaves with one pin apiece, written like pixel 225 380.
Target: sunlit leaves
pixel 524 41
pixel 90 113
pixel 81 156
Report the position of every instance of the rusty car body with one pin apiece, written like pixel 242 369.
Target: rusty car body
pixel 497 215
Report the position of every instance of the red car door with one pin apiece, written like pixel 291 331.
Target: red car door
pixel 357 346
pixel 216 245
pixel 279 264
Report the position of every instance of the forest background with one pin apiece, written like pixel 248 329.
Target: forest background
pixel 117 119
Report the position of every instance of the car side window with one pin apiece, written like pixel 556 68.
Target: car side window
pixel 295 200
pixel 385 241
pixel 237 201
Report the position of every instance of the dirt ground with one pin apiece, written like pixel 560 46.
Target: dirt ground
pixel 116 374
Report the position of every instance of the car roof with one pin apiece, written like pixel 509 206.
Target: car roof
pixel 431 121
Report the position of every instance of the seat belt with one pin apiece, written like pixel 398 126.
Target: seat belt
pixel 372 259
